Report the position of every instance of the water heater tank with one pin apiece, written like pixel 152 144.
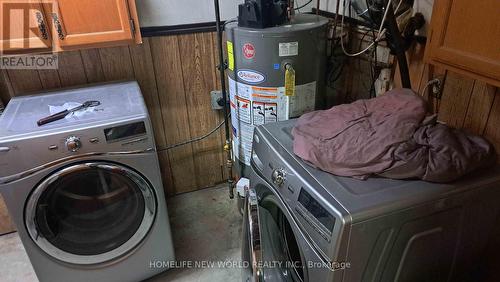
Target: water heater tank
pixel 274 74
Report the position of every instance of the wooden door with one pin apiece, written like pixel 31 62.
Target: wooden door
pixel 465 37
pixel 23 26
pixel 90 22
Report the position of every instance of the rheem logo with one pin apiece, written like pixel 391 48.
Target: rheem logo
pixel 248 51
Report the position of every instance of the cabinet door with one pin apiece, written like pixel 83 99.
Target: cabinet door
pixel 90 22
pixel 23 26
pixel 465 37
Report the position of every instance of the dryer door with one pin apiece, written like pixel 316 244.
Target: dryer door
pixel 89 213
pixel 269 244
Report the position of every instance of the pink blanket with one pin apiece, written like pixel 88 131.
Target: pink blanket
pixel 389 136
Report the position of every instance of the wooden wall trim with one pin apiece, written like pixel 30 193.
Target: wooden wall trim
pixel 176 74
pixel 178 29
pixel 6 224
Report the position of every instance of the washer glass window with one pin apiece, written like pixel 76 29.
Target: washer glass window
pixel 89 213
pixel 279 243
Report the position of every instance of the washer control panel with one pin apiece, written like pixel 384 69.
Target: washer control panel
pixel 316 212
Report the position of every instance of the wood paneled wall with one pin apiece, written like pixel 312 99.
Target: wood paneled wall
pixel 176 74
pixel 6 224
pixel 468 104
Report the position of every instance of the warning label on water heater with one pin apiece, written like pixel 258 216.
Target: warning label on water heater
pixel 288 49
pixel 253 106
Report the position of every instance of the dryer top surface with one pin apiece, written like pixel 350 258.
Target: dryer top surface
pixel 119 101
pixel 374 194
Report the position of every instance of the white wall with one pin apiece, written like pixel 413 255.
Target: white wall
pixel 422 6
pixel 176 12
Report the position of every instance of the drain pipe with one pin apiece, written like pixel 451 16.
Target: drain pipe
pixel 222 68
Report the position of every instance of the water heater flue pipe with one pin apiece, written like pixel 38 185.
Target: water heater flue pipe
pixel 222 68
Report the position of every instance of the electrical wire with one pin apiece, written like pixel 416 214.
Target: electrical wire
pixel 397 7
pixel 335 23
pixel 303 6
pixel 233 20
pixel 335 72
pixel 194 139
pixel 373 72
pixel 381 30
pixel 371 61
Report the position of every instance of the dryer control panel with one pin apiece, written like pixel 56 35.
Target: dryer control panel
pixel 125 131
pixel 135 135
pixel 311 205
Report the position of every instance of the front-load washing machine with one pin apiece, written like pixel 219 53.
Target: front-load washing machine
pixel 85 192
pixel 303 224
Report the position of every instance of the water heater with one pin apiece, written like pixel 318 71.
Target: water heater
pixel 274 74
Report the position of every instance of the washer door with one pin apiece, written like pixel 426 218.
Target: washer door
pixel 270 246
pixel 89 213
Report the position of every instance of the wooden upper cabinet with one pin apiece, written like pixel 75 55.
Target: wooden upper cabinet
pixel 55 25
pixel 465 37
pixel 23 26
pixel 78 23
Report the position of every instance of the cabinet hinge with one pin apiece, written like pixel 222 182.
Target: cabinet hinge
pixel 132 26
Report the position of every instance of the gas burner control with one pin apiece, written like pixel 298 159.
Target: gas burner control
pixel 73 144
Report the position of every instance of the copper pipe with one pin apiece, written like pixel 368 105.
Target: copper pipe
pixel 317 7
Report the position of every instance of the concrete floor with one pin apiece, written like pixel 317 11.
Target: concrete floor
pixel 206 226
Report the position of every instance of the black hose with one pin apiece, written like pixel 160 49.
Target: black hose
pixel 303 6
